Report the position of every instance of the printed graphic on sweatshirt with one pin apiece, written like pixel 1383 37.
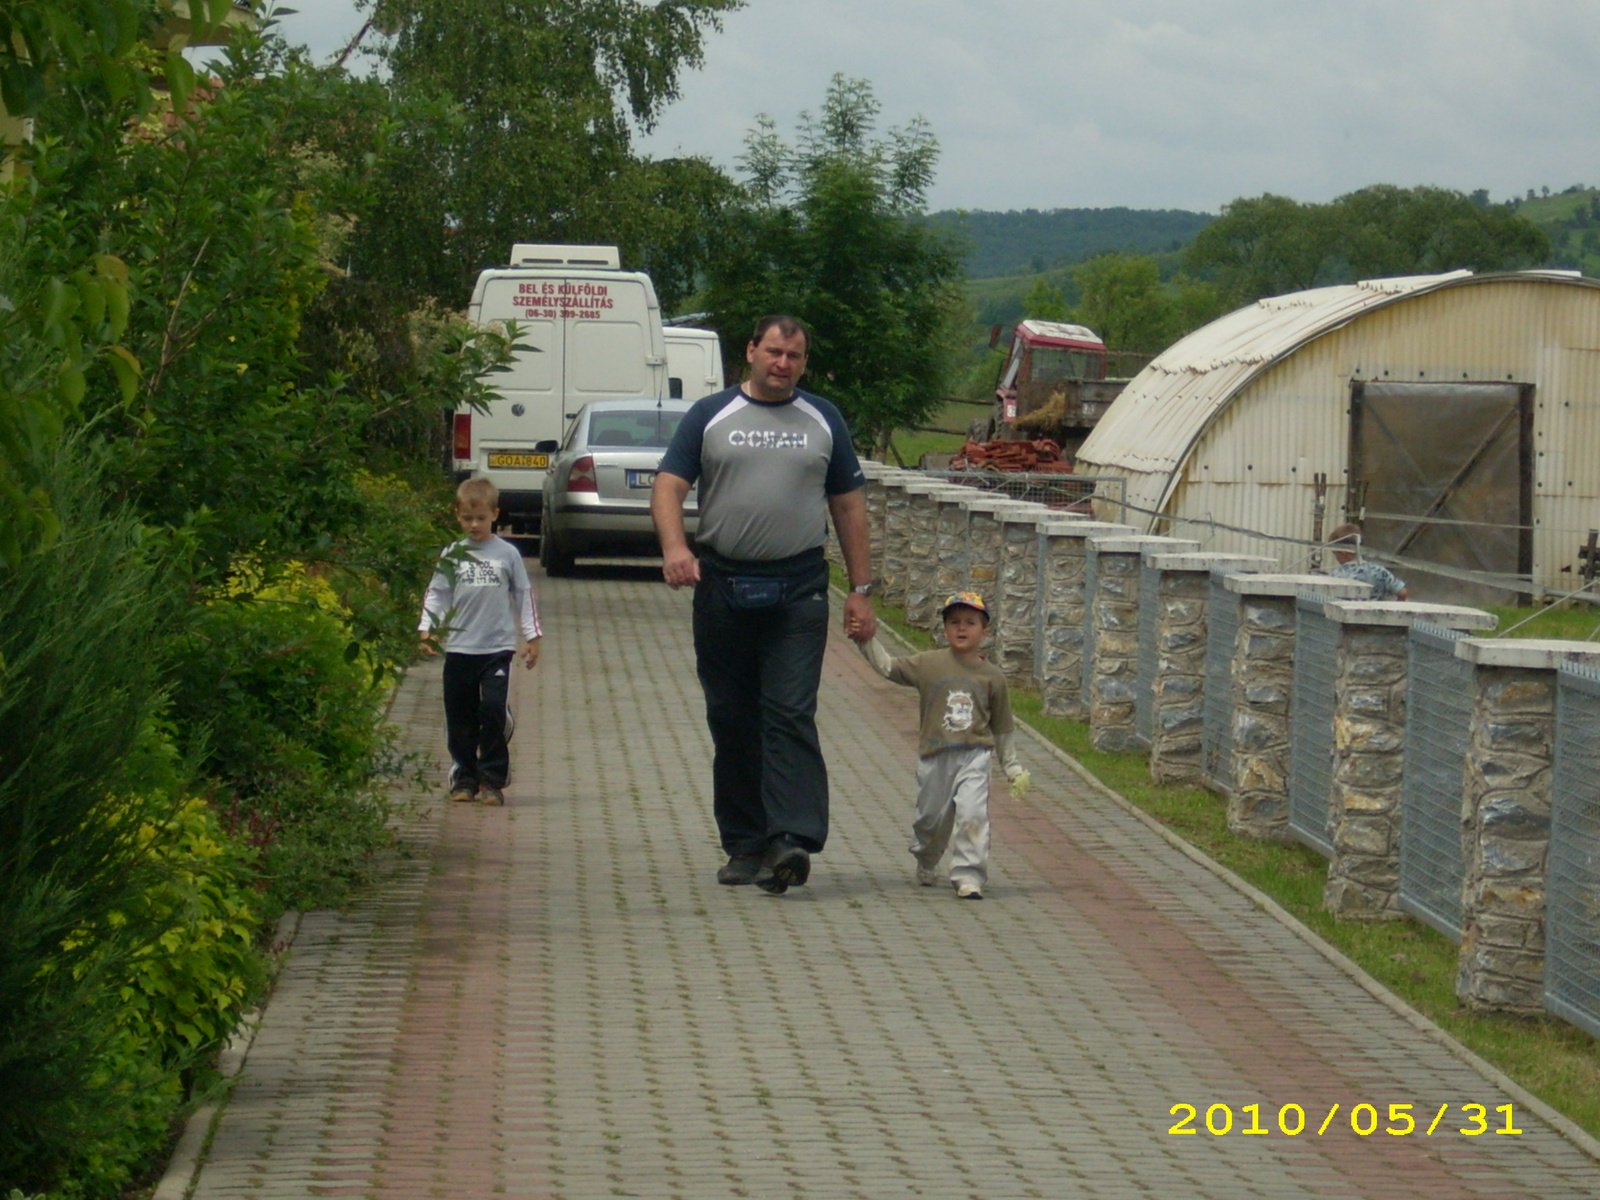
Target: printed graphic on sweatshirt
pixel 959 708
pixel 475 572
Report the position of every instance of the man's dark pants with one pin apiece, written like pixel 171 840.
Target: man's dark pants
pixel 760 669
pixel 477 718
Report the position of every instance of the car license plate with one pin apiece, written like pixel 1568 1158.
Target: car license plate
pixel 537 462
pixel 641 479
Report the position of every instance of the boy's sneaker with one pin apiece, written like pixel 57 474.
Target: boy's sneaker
pixel 787 867
pixel 463 794
pixel 740 869
pixel 491 795
pixel 928 876
pixel 967 890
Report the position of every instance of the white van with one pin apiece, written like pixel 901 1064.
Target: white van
pixel 694 362
pixel 594 331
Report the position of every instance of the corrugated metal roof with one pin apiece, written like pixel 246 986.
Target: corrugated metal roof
pixel 1159 415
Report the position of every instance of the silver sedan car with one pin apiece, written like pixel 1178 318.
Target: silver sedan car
pixel 597 493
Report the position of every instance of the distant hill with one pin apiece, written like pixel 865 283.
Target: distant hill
pixel 1571 219
pixel 1031 242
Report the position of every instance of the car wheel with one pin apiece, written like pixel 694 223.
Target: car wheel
pixel 554 556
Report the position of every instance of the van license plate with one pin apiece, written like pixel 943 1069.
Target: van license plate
pixel 641 479
pixel 537 462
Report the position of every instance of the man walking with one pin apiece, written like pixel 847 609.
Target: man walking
pixel 772 462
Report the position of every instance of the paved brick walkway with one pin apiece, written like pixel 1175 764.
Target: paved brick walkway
pixel 556 999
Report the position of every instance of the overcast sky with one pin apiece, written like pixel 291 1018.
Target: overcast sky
pixel 1160 103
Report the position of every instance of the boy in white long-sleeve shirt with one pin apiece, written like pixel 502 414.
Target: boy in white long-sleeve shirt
pixel 966 722
pixel 480 596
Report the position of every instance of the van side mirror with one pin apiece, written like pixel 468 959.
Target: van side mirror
pixel 548 446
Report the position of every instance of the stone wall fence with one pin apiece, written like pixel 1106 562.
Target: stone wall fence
pixel 1365 814
pixel 895 554
pixel 1111 642
pixel 922 545
pixel 1059 619
pixel 1262 675
pixel 1018 589
pixel 1172 639
pixel 1505 814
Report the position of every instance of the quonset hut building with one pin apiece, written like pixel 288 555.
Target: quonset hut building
pixel 1459 412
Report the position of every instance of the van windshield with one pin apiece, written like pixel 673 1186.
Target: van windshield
pixel 639 428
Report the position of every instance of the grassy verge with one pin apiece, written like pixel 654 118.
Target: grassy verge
pixel 1577 623
pixel 1555 1061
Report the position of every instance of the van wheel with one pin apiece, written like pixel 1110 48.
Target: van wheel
pixel 554 557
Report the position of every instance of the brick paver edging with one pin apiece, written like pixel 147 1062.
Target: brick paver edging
pixel 1568 1128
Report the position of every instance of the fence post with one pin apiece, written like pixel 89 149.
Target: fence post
pixel 1172 685
pixel 922 540
pixel 1369 736
pixel 1019 589
pixel 1505 815
pixel 896 535
pixel 1111 652
pixel 877 489
pixel 1263 686
pixel 1059 644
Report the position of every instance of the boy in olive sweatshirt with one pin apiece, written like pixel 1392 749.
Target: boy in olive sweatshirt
pixel 966 722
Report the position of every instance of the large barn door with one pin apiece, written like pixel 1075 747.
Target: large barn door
pixel 1448 475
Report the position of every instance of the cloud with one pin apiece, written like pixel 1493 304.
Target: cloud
pixel 1163 103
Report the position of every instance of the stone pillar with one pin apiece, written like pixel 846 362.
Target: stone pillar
pixel 985 554
pixel 1369 736
pixel 877 498
pixel 896 534
pixel 1505 818
pixel 1018 589
pixel 1263 683
pixel 950 548
pixel 1112 650
pixel 922 538
pixel 1177 689
pixel 1059 618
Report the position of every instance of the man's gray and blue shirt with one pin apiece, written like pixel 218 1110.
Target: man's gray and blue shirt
pixel 765 472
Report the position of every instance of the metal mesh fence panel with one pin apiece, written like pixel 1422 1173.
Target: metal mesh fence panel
pixel 1311 723
pixel 1216 729
pixel 1439 700
pixel 1069 493
pixel 1572 915
pixel 1144 701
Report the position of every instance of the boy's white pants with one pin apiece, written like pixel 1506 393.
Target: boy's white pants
pixel 953 810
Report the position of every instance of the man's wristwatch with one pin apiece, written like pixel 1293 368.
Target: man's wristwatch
pixel 864 589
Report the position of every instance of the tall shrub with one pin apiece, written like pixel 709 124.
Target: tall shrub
pixel 83 627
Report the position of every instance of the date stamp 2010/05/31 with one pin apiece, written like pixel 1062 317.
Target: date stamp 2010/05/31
pixel 1364 1121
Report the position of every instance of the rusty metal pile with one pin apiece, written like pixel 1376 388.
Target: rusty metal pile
pixel 1040 456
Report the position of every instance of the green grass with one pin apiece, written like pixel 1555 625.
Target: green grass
pixel 1577 623
pixel 954 417
pixel 1557 1062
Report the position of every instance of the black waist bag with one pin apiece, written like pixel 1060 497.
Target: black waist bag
pixel 749 592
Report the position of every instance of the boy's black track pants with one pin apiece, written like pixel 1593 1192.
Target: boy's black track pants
pixel 477 718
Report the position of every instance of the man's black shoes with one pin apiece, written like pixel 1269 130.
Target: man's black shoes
pixel 787 866
pixel 740 869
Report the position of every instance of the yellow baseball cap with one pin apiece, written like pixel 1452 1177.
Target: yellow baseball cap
pixel 963 600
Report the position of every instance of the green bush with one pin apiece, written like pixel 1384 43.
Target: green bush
pixel 281 706
pixel 83 630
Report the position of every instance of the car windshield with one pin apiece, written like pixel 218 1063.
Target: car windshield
pixel 647 428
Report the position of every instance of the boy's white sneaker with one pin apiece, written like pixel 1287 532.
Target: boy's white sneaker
pixel 967 890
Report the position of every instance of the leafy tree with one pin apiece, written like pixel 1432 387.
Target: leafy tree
pixel 829 229
pixel 1125 301
pixel 1044 302
pixel 513 125
pixel 1264 246
pixel 1269 245
pixel 1425 230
